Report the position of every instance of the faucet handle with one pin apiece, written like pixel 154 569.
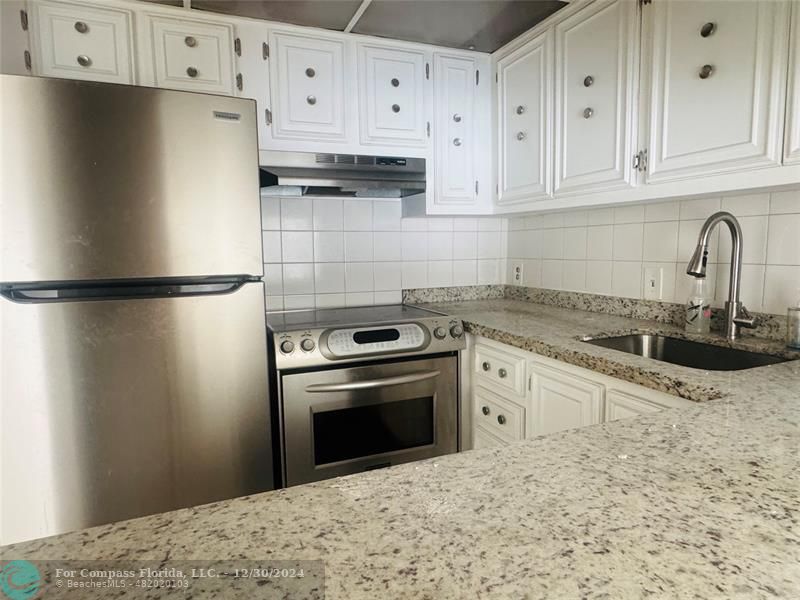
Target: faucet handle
pixel 743 318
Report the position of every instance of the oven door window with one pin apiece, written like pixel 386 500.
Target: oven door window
pixel 356 432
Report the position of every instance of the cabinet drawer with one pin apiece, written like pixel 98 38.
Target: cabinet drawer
pixel 504 419
pixel 76 41
pixel 497 368
pixel 192 55
pixel 483 439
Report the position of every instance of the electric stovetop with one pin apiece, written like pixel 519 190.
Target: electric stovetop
pixel 345 317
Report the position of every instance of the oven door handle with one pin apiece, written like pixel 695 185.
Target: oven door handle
pixel 372 383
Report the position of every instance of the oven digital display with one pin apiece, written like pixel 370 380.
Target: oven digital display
pixel 373 336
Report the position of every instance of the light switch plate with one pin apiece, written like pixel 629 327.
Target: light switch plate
pixel 516 272
pixel 653 283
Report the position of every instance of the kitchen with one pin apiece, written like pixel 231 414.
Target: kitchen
pixel 478 230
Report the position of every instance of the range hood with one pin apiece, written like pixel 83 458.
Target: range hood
pixel 345 174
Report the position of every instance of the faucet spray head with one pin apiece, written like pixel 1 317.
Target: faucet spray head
pixel 697 264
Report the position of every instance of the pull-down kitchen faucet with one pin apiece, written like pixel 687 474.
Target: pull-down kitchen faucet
pixel 736 314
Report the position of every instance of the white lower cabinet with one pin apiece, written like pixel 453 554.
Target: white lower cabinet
pixel 555 397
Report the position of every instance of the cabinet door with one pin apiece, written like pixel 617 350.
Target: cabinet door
pixel 454 127
pixel 307 77
pixel 483 439
pixel 620 405
pixel 393 103
pixel 595 81
pixel 718 72
pixel 792 145
pixel 524 79
pixel 560 400
pixel 191 55
pixel 79 41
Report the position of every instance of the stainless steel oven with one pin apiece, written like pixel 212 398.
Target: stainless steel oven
pixel 355 394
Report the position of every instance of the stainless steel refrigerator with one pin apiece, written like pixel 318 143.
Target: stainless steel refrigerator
pixel 134 356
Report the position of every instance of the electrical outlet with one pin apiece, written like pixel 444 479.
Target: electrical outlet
pixel 516 272
pixel 653 283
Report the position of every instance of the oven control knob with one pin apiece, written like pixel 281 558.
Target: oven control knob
pixel 307 345
pixel 456 331
pixel 287 347
pixel 439 333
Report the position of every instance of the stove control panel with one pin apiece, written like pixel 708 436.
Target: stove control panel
pixel 376 340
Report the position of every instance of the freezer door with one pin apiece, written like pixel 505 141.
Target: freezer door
pixel 101 181
pixel 114 409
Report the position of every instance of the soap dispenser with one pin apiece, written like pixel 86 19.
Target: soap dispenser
pixel 698 308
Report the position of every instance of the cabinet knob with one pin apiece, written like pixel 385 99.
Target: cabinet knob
pixel 190 41
pixel 588 80
pixel 456 141
pixel 395 108
pixel 84 60
pixel 501 419
pixel 520 109
pixel 395 82
pixel 706 71
pixel 521 135
pixel 502 373
pixel 587 113
pixel 486 366
pixel 310 72
pixel 485 410
pixel 81 27
pixel 312 100
pixel 191 72
pixel 457 118
pixel 708 29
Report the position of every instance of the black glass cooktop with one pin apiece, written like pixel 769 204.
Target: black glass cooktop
pixel 345 317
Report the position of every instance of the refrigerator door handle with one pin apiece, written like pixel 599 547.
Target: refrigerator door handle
pixel 121 291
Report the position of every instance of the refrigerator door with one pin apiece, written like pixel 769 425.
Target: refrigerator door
pixel 103 181
pixel 114 409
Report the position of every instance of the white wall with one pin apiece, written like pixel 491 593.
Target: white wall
pixel 606 250
pixel 330 252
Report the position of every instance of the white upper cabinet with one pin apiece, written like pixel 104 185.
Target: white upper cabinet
pixel 525 115
pixel 188 54
pixel 393 105
pixel 308 81
pixel 596 74
pixel 792 143
pixel 454 129
pixel 82 41
pixel 718 74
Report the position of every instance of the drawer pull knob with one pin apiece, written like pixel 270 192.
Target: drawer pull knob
pixel 521 136
pixel 457 118
pixel 485 410
pixel 310 72
pixel 486 366
pixel 84 61
pixel 396 108
pixel 395 82
pixel 190 41
pixel 456 141
pixel 191 72
pixel 520 109
pixel 501 419
pixel 708 29
pixel 312 100
pixel 502 373
pixel 81 27
pixel 706 71
pixel 588 81
pixel 587 113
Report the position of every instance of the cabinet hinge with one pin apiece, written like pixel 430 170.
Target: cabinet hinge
pixel 644 2
pixel 23 19
pixel 268 116
pixel 428 128
pixel 477 77
pixel 239 82
pixel 497 77
pixel 265 50
pixel 237 46
pixel 530 379
pixel 476 187
pixel 27 57
pixel 640 161
pixel 427 70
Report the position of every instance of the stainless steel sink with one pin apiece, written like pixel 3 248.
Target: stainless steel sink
pixel 686 353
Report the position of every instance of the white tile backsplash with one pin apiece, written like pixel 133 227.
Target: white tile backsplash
pixel 621 242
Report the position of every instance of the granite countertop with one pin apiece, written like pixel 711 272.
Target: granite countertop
pixel 699 502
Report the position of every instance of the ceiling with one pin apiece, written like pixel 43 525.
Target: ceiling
pixel 482 25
